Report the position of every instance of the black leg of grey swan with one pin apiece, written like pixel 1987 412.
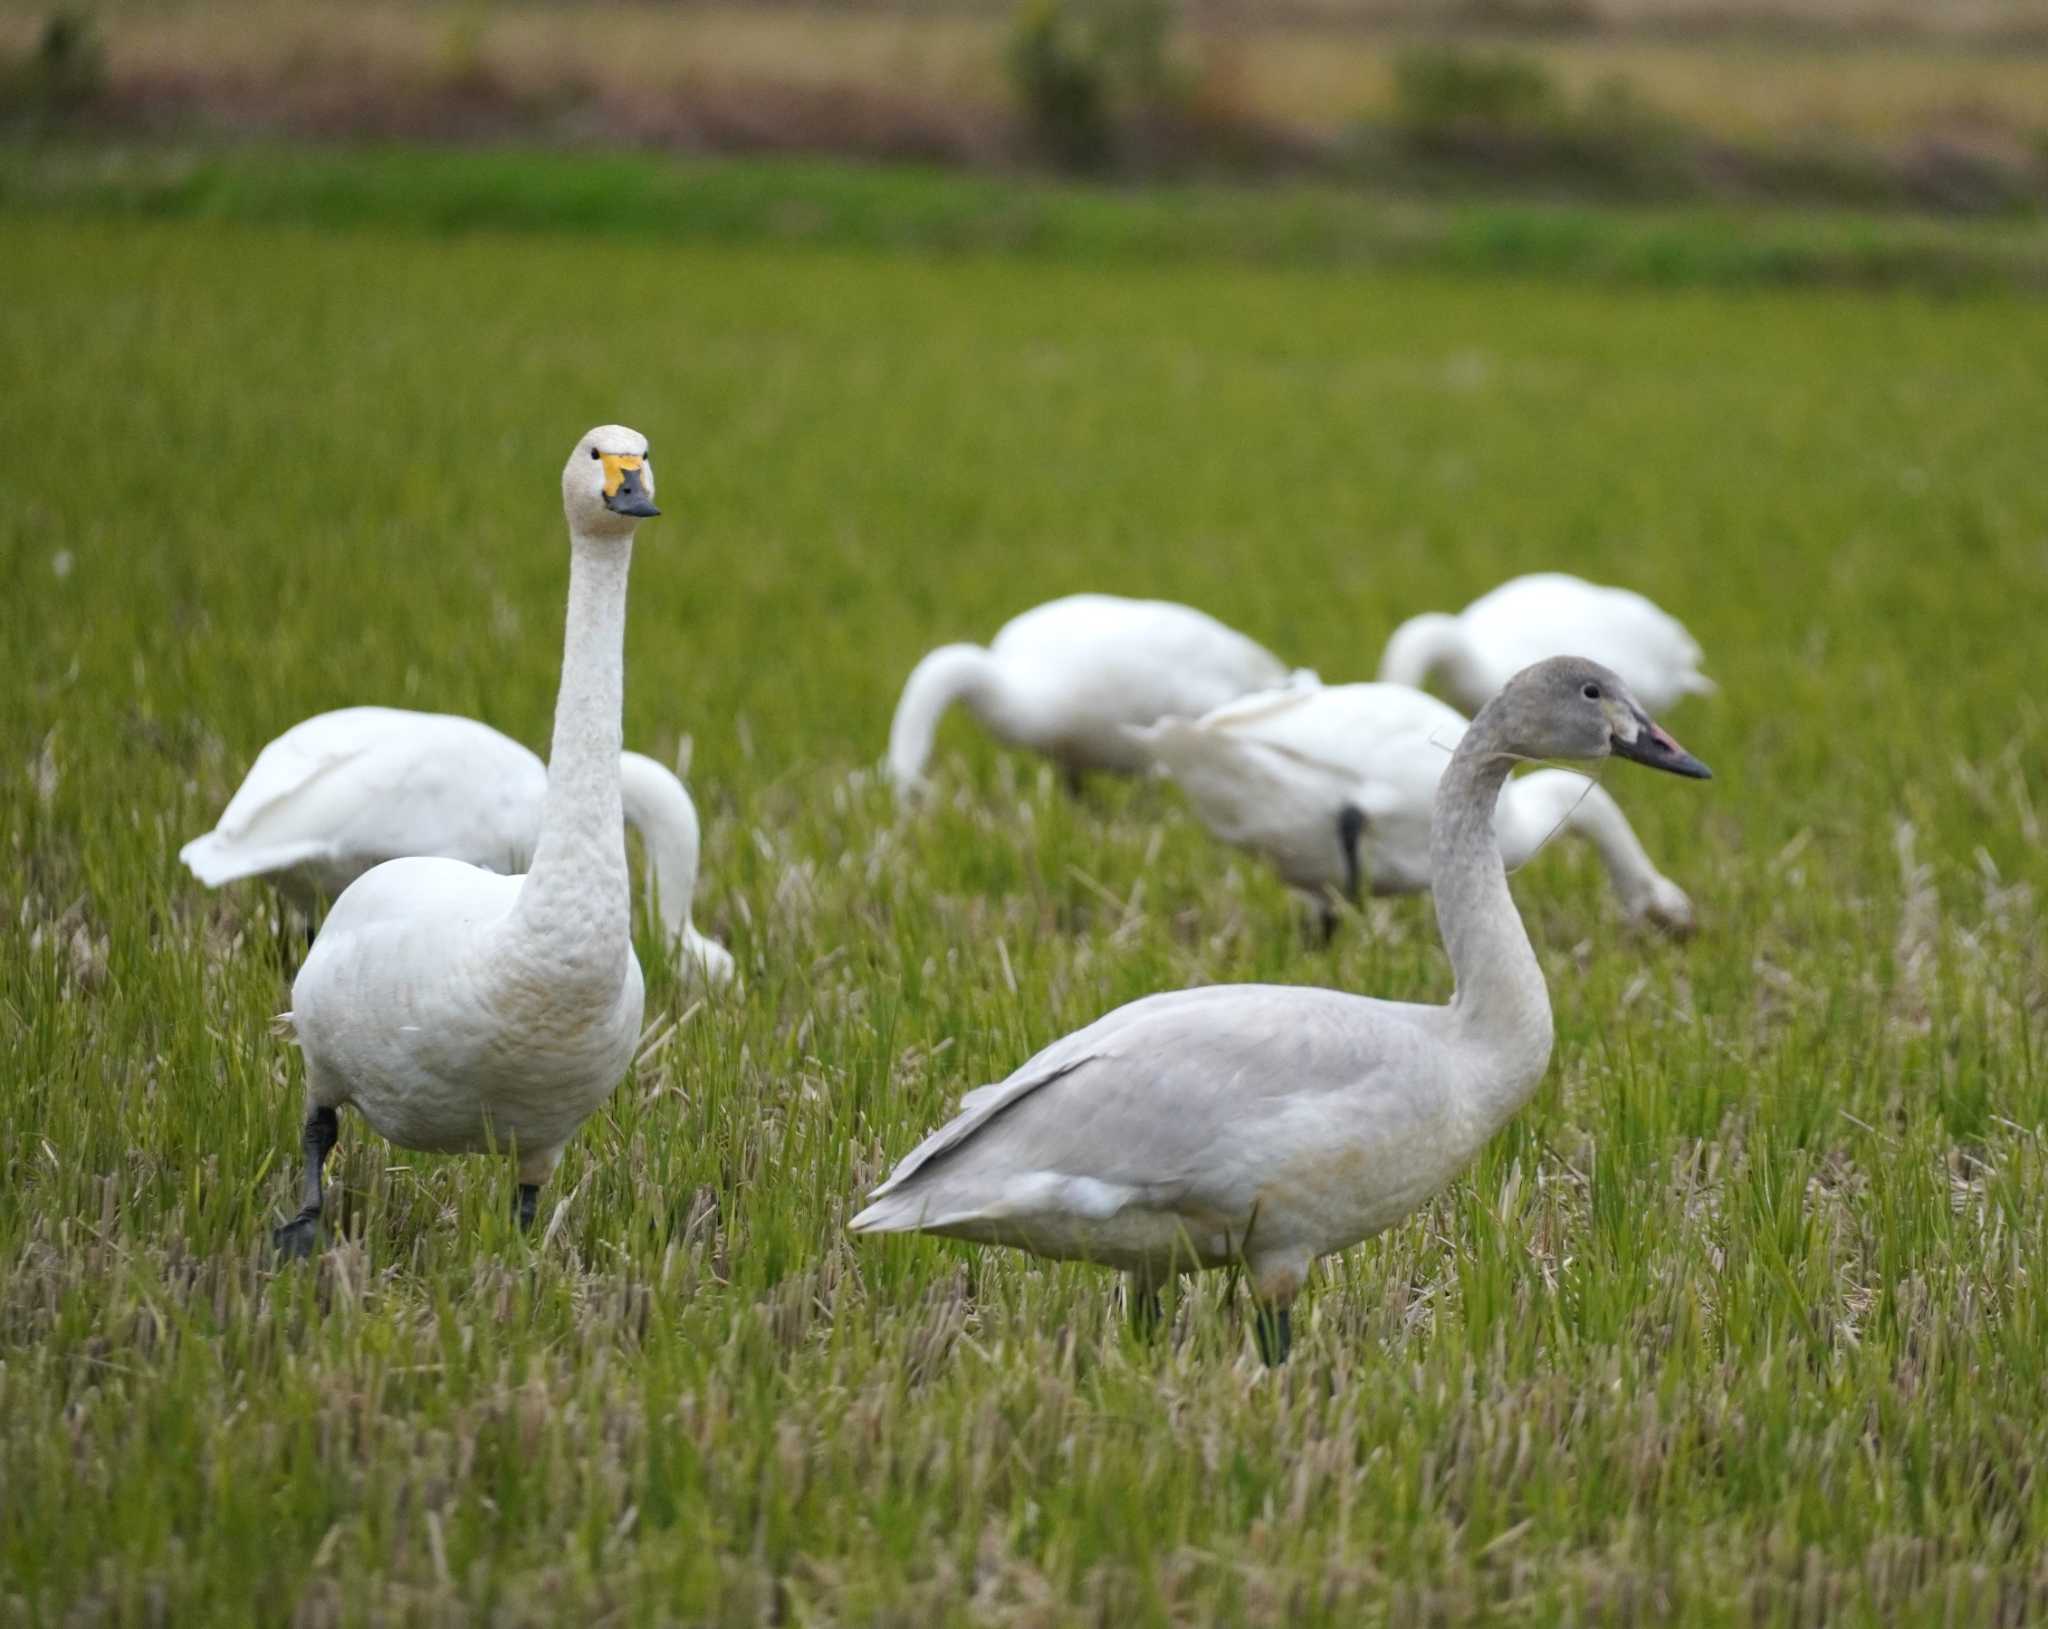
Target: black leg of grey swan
pixel 1076 784
pixel 1143 1306
pixel 529 1202
pixel 295 1240
pixel 1273 1329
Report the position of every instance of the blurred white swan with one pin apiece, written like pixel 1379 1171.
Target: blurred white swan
pixel 460 1010
pixel 1335 786
pixel 1269 1125
pixel 347 790
pixel 1067 677
pixel 1547 614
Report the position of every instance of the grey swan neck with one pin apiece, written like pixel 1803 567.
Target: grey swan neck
pixel 1501 1007
pixel 574 912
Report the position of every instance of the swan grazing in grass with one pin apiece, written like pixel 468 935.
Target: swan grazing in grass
pixel 1335 788
pixel 348 790
pixel 1270 1125
pixel 1547 614
pixel 1067 677
pixel 460 1010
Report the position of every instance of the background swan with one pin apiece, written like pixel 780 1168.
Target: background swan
pixel 1335 788
pixel 1268 1124
pixel 1547 614
pixel 460 1010
pixel 347 790
pixel 1066 678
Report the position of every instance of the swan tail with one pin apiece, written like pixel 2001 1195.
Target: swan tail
pixel 216 859
pixel 977 1109
pixel 898 1213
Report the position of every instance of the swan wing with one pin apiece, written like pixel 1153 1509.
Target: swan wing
pixel 1186 1102
pixel 365 784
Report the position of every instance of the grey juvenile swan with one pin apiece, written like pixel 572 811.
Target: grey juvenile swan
pixel 1267 1124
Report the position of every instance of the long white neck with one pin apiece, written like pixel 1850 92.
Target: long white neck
pixel 658 807
pixel 1501 1005
pixel 574 912
pixel 1555 801
pixel 951 673
pixel 1419 647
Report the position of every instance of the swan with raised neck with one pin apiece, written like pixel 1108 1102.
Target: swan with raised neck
pixel 1269 1125
pixel 459 1010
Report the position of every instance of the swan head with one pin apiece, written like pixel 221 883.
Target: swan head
pixel 1572 707
pixel 608 483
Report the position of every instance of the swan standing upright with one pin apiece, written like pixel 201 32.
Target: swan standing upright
pixel 1270 1125
pixel 460 1010
pixel 344 791
pixel 1335 788
pixel 1066 678
pixel 1547 614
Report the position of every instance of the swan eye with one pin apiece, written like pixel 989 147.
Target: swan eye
pixel 1591 692
pixel 593 452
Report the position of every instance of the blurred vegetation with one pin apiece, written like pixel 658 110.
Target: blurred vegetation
pixel 902 209
pixel 1503 114
pixel 1085 71
pixel 1497 99
pixel 65 72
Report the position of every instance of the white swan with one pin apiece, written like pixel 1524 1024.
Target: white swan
pixel 1335 787
pixel 344 791
pixel 460 1010
pixel 1547 614
pixel 1267 1124
pixel 1066 677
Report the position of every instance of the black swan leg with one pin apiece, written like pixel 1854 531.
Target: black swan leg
pixel 296 1239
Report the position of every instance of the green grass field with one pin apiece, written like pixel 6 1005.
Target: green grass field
pixel 1742 1321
